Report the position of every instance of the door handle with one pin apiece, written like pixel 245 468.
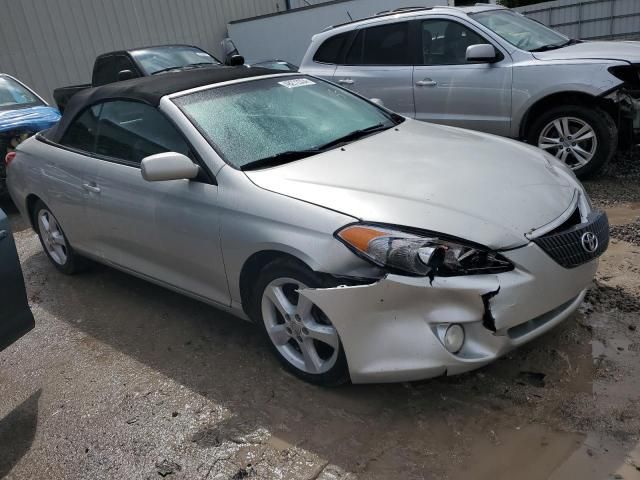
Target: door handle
pixel 427 82
pixel 346 81
pixel 91 187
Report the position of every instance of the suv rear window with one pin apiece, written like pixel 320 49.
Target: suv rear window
pixel 329 51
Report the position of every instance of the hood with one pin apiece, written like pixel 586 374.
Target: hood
pixel 32 119
pixel 625 51
pixel 471 185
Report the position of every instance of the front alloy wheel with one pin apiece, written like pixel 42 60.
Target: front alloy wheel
pixel 298 329
pixel 571 140
pixel 299 333
pixel 584 138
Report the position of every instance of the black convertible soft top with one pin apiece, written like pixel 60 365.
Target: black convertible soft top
pixel 151 89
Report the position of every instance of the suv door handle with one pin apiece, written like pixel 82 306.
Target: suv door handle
pixel 346 81
pixel 427 82
pixel 91 187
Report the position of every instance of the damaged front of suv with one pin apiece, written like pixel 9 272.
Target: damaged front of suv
pixel 479 244
pixel 22 114
pixel 624 99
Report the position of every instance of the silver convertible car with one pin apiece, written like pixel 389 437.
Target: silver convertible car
pixel 367 246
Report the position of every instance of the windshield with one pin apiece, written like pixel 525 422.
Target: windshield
pixel 14 95
pixel 157 59
pixel 279 117
pixel 519 30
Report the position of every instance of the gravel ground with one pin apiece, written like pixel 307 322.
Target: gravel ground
pixel 123 379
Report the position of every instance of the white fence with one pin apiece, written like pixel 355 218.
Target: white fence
pixel 589 19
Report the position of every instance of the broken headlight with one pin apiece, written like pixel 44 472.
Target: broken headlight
pixel 420 254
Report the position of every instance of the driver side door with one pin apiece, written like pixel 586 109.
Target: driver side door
pixel 166 231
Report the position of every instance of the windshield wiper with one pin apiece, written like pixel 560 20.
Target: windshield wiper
pixel 355 135
pixel 168 69
pixel 201 64
pixel 555 46
pixel 280 159
pixel 292 155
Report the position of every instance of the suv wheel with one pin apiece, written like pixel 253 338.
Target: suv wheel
pixel 583 138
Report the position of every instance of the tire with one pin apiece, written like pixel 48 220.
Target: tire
pixel 54 242
pixel 600 141
pixel 294 340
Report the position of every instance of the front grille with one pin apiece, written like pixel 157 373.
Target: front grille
pixel 570 247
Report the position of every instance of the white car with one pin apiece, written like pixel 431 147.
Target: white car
pixel 367 246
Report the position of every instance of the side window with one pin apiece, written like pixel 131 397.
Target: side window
pixel 131 131
pixel 445 42
pixel 107 68
pixel 384 45
pixel 329 51
pixel 81 134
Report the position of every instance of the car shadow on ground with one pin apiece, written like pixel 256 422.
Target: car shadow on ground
pixel 17 431
pixel 381 428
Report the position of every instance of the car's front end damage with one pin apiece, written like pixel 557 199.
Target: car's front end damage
pixel 403 328
pixel 624 103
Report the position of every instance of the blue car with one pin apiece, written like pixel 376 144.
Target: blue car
pixel 22 113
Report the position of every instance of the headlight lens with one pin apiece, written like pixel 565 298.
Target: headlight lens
pixel 419 254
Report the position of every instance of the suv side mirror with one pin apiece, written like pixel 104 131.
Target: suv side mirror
pixel 235 60
pixel 168 166
pixel 483 52
pixel 125 75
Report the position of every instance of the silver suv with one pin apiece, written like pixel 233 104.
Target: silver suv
pixel 489 68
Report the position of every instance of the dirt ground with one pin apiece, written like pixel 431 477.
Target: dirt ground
pixel 123 379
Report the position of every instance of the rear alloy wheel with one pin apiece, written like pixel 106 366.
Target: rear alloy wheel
pixel 301 335
pixel 583 138
pixel 54 241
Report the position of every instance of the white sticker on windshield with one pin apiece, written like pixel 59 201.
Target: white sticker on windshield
pixel 202 54
pixel 298 82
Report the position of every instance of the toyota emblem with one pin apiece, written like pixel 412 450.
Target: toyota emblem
pixel 589 242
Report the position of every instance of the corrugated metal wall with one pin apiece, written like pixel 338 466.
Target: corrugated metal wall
pixel 589 19
pixel 53 43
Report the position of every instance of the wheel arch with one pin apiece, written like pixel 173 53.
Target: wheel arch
pixel 30 203
pixel 567 97
pixel 252 267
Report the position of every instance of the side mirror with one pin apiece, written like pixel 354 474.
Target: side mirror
pixel 235 60
pixel 168 166
pixel 125 75
pixel 482 53
pixel 377 101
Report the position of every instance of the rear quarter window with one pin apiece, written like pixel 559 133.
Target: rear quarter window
pixel 331 48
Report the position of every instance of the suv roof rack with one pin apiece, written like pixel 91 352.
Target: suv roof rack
pixel 400 10
pixel 388 12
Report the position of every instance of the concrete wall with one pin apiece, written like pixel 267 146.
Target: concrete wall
pixel 287 36
pixel 589 19
pixel 52 43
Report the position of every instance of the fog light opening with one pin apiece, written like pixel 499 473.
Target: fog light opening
pixel 454 338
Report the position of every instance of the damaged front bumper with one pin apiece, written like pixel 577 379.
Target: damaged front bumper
pixel 391 330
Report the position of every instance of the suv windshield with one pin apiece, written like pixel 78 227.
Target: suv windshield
pixel 521 31
pixel 261 123
pixel 13 95
pixel 171 57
